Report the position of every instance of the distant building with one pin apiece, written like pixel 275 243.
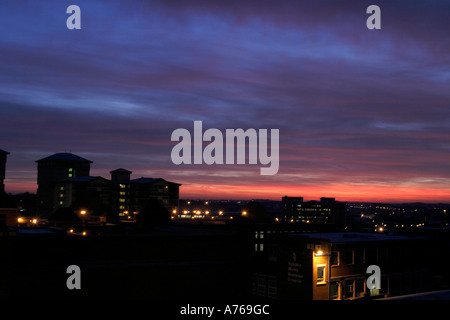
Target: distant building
pixel 3 155
pixel 52 170
pixel 64 181
pixel 325 211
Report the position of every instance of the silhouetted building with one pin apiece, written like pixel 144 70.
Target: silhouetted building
pixel 3 155
pixel 64 181
pixel 51 171
pixel 119 197
pixel 9 212
pixel 325 211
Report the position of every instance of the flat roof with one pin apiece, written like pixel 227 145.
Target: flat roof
pixel 337 237
pixel 65 156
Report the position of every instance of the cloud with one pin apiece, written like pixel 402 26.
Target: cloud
pixel 353 106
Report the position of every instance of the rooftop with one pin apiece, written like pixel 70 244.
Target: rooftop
pixel 338 237
pixel 3 151
pixel 65 156
pixel 121 170
pixel 83 179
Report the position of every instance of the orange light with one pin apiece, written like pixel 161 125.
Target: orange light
pixel 84 233
pixel 244 213
pixel 83 212
pixel 19 220
pixel 319 253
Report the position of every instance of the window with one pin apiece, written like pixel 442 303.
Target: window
pixel 360 285
pixel 334 291
pixel 334 258
pixel 321 273
pixel 349 257
pixel 360 256
pixel 349 289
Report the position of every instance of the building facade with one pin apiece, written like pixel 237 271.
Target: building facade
pixel 334 266
pixel 51 171
pixel 325 211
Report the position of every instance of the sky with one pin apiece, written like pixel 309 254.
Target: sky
pixel 363 115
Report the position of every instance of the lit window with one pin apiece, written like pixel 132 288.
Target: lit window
pixel 70 175
pixel 321 274
pixel 122 193
pixel 121 200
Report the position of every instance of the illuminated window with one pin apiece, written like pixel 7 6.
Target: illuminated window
pixel 61 195
pixel 122 207
pixel 121 200
pixel 321 274
pixel 61 203
pixel 122 193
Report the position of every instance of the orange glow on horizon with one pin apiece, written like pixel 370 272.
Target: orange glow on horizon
pixel 340 191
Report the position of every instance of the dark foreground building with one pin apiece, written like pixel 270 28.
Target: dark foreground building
pixel 170 263
pixel 333 266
